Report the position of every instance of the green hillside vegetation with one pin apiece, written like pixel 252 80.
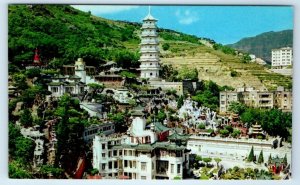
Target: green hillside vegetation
pixel 262 44
pixel 62 34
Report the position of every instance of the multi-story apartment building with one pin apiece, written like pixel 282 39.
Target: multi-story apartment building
pixel 260 99
pixel 283 99
pixel 282 57
pixel 227 97
pixel 141 153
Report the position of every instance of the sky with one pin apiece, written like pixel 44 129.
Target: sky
pixel 224 24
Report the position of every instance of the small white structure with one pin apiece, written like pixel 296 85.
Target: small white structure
pixel 282 57
pixel 73 84
pixel 66 84
pixel 94 109
pixel 104 128
pixel 122 96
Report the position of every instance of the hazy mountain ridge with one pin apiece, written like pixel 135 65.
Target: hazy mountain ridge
pixel 261 45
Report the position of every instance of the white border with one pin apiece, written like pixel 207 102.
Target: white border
pixel 4 93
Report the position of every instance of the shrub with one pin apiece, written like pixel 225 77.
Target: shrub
pixel 233 74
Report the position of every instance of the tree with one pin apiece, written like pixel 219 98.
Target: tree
pixel 224 132
pixel 270 159
pixel 207 160
pixel 14 133
pixel 285 160
pixel 275 122
pixel 246 58
pixel 251 155
pixel 96 88
pixel 198 158
pixel 119 120
pixel 127 59
pixel 26 119
pixel 251 116
pixel 20 81
pixel 261 157
pixel 94 171
pixel 229 128
pixel 187 73
pixel 201 126
pixel 34 72
pixel 169 73
pixel 237 107
pixel 217 160
pixel 235 133
pixel 24 149
pixel 161 116
pixel 16 170
pixel 47 170
pixel 128 74
pixel 165 46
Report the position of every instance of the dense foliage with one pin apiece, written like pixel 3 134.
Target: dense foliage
pixel 208 96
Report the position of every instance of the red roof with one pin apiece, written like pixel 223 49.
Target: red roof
pixel 94 177
pixel 123 177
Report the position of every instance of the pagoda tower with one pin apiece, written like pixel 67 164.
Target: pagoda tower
pixel 36 59
pixel 149 49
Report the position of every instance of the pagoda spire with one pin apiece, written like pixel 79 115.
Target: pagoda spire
pixel 36 59
pixel 149 10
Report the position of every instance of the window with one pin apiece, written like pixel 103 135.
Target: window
pixel 178 168
pixel 54 89
pixel 103 155
pixel 125 163
pixel 110 165
pixel 143 166
pixel 172 168
pixel 115 164
pixel 109 154
pixel 143 177
pixel 103 166
pixel 69 89
pixel 150 74
pixel 115 153
pixel 103 146
pixel 120 152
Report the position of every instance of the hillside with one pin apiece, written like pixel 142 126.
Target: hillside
pixel 63 34
pixel 262 44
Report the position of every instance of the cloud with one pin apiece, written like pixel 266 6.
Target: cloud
pixel 103 9
pixel 186 17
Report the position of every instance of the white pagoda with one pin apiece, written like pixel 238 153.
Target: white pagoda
pixel 149 49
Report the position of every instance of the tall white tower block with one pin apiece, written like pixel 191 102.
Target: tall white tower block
pixel 149 49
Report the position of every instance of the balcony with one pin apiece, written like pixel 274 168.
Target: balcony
pixel 149 50
pixel 145 26
pixel 152 42
pixel 149 34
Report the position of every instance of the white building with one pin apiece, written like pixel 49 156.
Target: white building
pixel 73 84
pixel 235 149
pixel 282 57
pixel 149 49
pixel 105 128
pixel 66 84
pixel 140 154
